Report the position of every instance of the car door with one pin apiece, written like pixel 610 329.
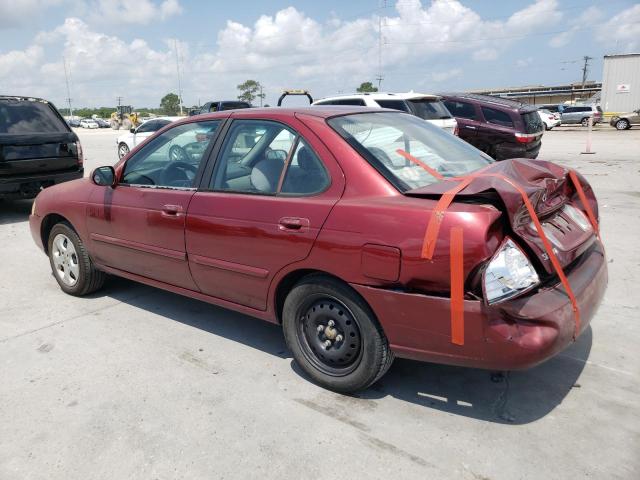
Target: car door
pixel 138 226
pixel 271 190
pixel 468 119
pixel 571 115
pixel 497 128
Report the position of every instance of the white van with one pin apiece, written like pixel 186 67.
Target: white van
pixel 428 107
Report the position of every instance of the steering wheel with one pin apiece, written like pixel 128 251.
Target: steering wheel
pixel 179 172
pixel 177 153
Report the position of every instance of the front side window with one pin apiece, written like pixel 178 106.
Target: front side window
pixel 172 159
pixel 497 117
pixel 389 141
pixel 265 157
pixel 461 109
pixel 152 126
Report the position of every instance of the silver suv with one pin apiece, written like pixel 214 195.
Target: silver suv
pixel 581 113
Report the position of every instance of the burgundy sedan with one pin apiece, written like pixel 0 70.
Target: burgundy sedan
pixel 340 224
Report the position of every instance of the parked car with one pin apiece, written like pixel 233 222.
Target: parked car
pixel 500 127
pixel 73 122
pixel 102 123
pixel 580 114
pixel 88 123
pixel 549 119
pixel 552 107
pixel 128 141
pixel 37 147
pixel 625 120
pixel 427 107
pixel 219 106
pixel 315 218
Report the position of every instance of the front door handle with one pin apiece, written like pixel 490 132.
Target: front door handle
pixel 470 127
pixel 172 210
pixel 293 224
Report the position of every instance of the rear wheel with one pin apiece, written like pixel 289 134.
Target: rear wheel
pixel 622 124
pixel 585 122
pixel 70 263
pixel 334 335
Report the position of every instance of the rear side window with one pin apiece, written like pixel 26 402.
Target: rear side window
pixel 344 101
pixel 461 109
pixel 234 105
pixel 19 117
pixel 429 109
pixel 497 117
pixel 393 104
pixel 532 122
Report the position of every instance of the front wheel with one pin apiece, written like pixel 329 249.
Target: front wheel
pixel 622 124
pixel 70 263
pixel 123 149
pixel 334 335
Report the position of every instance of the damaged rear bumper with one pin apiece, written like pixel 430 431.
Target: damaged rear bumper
pixel 516 334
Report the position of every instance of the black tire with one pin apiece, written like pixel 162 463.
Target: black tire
pixel 622 124
pixel 123 149
pixel 89 279
pixel 361 358
pixel 585 122
pixel 546 127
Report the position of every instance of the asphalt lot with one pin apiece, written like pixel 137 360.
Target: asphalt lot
pixel 134 382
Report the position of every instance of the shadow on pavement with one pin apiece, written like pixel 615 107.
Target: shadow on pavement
pixel 14 211
pixel 517 397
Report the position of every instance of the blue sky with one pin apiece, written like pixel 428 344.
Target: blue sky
pixel 128 47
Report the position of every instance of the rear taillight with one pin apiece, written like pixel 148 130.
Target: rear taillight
pixel 525 137
pixel 80 154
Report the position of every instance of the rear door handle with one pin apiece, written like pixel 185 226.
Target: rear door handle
pixel 293 224
pixel 470 127
pixel 172 210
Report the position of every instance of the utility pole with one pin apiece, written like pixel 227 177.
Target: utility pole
pixel 585 69
pixel 380 77
pixel 260 94
pixel 175 43
pixel 66 77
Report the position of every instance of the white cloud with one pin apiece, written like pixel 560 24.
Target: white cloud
pixel 16 13
pixel 622 31
pixel 445 75
pixel 588 18
pixel 133 11
pixel 524 62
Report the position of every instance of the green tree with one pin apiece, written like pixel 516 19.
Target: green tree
pixel 366 87
pixel 170 104
pixel 250 90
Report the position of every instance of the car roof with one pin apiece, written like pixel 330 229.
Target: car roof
pixel 382 96
pixel 322 111
pixel 501 101
pixel 19 97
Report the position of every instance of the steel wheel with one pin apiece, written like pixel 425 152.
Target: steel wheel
pixel 65 260
pixel 329 335
pixel 585 122
pixel 123 150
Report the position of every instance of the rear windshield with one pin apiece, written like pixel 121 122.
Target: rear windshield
pixel 429 109
pixel 18 117
pixel 532 122
pixel 393 104
pixel 391 142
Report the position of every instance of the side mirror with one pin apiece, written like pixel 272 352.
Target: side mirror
pixel 132 130
pixel 104 176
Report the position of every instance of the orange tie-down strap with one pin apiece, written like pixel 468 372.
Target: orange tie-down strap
pixel 456 245
pixel 585 203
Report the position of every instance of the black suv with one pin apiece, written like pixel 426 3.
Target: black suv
pixel 219 106
pixel 500 127
pixel 37 147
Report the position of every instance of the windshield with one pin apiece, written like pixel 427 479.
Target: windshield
pixel 18 116
pixel 429 109
pixel 392 142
